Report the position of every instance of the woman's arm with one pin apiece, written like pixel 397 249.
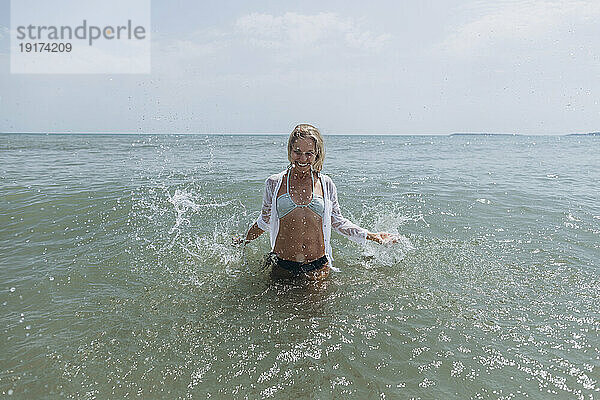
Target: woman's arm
pixel 343 225
pixel 253 233
pixel 263 220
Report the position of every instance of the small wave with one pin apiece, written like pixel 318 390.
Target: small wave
pixel 184 202
pixel 570 217
pixel 389 254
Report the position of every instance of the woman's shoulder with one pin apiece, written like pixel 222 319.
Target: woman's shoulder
pixel 275 177
pixel 325 179
pixel 328 185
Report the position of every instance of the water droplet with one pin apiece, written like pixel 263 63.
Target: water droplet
pixel 12 289
pixel 10 392
pixel 51 278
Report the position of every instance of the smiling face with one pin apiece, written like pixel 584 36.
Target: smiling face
pixel 303 154
pixel 306 146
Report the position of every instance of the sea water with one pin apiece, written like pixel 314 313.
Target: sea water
pixel 119 278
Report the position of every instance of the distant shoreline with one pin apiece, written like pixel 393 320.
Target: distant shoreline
pixel 487 134
pixel 584 134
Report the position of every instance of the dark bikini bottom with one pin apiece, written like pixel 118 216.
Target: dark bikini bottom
pixel 295 267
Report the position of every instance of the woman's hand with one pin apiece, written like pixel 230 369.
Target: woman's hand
pixel 252 234
pixel 382 237
pixel 238 241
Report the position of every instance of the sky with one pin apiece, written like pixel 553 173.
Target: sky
pixel 348 67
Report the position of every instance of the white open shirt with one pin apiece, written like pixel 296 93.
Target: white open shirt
pixel 268 220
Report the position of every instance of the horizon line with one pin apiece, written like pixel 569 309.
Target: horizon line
pixel 285 133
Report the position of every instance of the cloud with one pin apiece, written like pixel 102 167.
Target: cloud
pixel 257 39
pixel 188 52
pixel 292 30
pixel 529 21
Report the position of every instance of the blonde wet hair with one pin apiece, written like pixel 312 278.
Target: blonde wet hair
pixel 307 131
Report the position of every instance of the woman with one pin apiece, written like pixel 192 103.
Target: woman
pixel 300 207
